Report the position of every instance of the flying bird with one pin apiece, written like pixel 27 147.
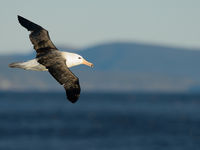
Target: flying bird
pixel 49 58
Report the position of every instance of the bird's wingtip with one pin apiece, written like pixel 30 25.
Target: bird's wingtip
pixel 18 17
pixel 30 26
pixel 73 95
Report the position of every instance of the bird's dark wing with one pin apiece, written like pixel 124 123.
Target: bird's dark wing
pixel 57 68
pixel 66 78
pixel 39 36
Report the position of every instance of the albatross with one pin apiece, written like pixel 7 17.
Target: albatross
pixel 49 58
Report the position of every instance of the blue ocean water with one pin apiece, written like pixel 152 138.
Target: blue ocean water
pixel 101 121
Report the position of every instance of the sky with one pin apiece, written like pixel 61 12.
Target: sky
pixel 84 23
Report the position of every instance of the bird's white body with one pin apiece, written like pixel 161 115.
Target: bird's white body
pixel 72 59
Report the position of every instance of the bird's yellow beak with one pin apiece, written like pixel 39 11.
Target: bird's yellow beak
pixel 85 62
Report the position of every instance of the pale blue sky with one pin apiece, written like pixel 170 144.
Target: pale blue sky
pixel 83 23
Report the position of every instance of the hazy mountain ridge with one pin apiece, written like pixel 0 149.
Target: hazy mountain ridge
pixel 144 58
pixel 118 66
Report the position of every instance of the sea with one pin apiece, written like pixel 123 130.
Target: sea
pixel 99 121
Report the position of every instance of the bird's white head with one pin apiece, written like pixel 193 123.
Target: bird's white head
pixel 73 59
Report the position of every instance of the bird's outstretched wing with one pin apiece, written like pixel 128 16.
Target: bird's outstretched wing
pixel 66 78
pixel 38 36
pixel 57 68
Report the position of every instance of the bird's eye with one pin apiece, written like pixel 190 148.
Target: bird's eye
pixel 79 57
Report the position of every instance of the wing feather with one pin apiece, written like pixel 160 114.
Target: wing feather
pixel 57 68
pixel 39 36
pixel 66 78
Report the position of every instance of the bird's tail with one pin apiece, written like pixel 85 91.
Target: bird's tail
pixel 28 65
pixel 16 65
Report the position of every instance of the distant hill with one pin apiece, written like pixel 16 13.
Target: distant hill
pixel 118 67
pixel 144 58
